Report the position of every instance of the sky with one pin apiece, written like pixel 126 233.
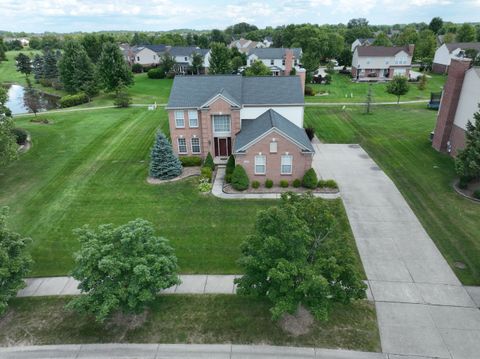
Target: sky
pixel 162 15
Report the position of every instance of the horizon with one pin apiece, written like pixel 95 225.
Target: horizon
pixel 72 16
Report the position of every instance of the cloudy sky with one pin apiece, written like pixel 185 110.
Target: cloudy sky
pixel 95 15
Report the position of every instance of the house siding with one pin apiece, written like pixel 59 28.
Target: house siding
pixel 301 161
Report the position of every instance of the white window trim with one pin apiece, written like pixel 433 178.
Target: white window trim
pixel 186 145
pixel 189 118
pixel 282 164
pixel 199 145
pixel 222 133
pixel 264 164
pixel 178 118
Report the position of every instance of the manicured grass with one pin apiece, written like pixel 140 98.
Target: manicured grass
pixel 342 89
pixel 397 139
pixel 187 319
pixel 90 167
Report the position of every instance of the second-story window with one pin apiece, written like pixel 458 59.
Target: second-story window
pixel 192 119
pixel 179 119
pixel 272 62
pixel 221 123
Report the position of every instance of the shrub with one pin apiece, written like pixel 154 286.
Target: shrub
pixel 328 79
pixel 268 183
pixel 297 183
pixel 170 75
pixel 206 172
pixel 57 85
pixel 310 179
pixel 122 98
pixel 73 100
pixel 331 184
pixel 239 178
pixel 283 183
pixel 156 73
pixel 209 162
pixel 309 91
pixel 321 183
pixel 230 168
pixel 190 161
pixel 204 185
pixel 463 183
pixel 255 184
pixel 476 194
pixel 137 68
pixel 20 135
pixel 310 132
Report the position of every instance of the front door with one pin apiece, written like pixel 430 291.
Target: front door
pixel 223 146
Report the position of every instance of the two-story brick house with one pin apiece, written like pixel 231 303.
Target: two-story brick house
pixel 257 119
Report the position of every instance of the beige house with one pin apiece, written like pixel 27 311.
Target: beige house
pixel 257 119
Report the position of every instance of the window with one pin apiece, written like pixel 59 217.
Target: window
pixel 271 62
pixel 138 58
pixel 283 62
pixel 286 165
pixel 260 165
pixel 221 123
pixel 273 147
pixel 182 145
pixel 179 119
pixel 186 58
pixel 154 57
pixel 195 145
pixel 295 63
pixel 192 119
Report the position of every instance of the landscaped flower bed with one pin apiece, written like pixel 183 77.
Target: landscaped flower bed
pixel 278 188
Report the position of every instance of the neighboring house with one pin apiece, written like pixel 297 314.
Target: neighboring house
pixel 257 119
pixel 447 52
pixel 145 55
pixel 376 63
pixel 183 56
pixel 361 42
pixel 268 41
pixel 244 45
pixel 460 99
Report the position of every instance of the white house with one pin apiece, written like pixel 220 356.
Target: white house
pixel 362 42
pixel 447 52
pixel 279 60
pixel 183 56
pixel 375 63
pixel 244 45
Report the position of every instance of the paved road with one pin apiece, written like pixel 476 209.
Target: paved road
pixel 151 351
pixel 422 308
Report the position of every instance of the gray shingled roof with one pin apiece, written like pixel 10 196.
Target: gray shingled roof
pixel 381 50
pixel 253 129
pixel 274 52
pixel 463 46
pixel 186 51
pixel 194 91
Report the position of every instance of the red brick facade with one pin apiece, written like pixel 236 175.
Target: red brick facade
pixel 301 162
pixel 439 68
pixel 448 106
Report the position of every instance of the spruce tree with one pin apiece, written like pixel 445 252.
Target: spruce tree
pixel 164 164
pixel 50 69
pixel 3 57
pixel 38 68
pixel 467 163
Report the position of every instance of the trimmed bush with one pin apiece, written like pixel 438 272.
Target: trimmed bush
pixel 283 183
pixel 156 73
pixel 255 184
pixel 73 100
pixel 310 132
pixel 268 183
pixel 206 172
pixel 476 194
pixel 20 135
pixel 331 184
pixel 310 179
pixel 297 183
pixel 229 169
pixel 209 162
pixel 309 91
pixel 191 161
pixel 239 178
pixel 137 68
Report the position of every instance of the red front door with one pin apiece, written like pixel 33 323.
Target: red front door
pixel 223 146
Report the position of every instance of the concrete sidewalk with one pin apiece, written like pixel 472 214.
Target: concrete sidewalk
pixel 157 351
pixel 191 284
pixel 422 308
pixel 217 190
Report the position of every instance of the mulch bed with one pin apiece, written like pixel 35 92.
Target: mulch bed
pixel 187 172
pixel 227 188
pixel 468 193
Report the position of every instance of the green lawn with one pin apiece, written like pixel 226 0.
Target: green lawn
pixel 342 89
pixel 397 138
pixel 187 319
pixel 90 167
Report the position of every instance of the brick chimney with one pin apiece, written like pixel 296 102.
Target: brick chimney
pixel 302 74
pixel 411 49
pixel 288 61
pixel 449 103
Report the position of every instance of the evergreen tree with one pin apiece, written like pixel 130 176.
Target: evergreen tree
pixel 15 261
pixel 112 68
pixel 8 144
pixel 467 162
pixel 122 97
pixel 66 66
pixel 50 69
pixel 38 68
pixel 24 64
pixel 209 162
pixel 422 85
pixel 3 56
pixel 220 62
pixel 436 24
pixel 229 169
pixel 164 164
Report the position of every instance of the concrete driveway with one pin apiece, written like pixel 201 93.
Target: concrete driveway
pixel 422 308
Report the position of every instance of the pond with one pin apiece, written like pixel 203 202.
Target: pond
pixel 15 100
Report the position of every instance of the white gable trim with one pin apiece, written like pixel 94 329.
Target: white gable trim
pixel 273 129
pixel 219 96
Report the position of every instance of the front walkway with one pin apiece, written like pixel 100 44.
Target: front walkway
pixel 191 284
pixel 422 308
pixel 157 351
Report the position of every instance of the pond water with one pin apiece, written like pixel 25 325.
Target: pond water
pixel 15 101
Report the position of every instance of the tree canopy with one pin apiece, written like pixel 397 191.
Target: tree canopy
pixel 467 162
pixel 112 70
pixel 398 86
pixel 220 59
pixel 258 68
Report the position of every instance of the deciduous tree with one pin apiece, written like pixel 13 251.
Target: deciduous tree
pixel 258 68
pixel 398 86
pixel 24 64
pixel 220 59
pixel 112 68
pixel 466 33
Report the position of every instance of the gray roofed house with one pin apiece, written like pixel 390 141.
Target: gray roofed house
pixel 383 51
pixel 274 52
pixel 463 45
pixel 195 91
pixel 270 120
